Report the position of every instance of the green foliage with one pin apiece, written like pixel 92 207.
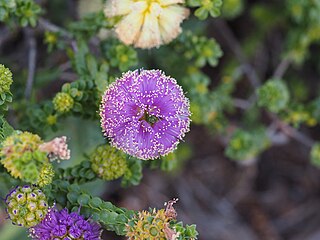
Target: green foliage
pixel 209 106
pixel 198 49
pixel 133 173
pixel 245 145
pixel 5 129
pixel 24 12
pixel 205 8
pixel 220 99
pixel 5 83
pixel 274 95
pixel 79 174
pixel 315 154
pixel 90 25
pixel 306 24
pixel 169 162
pixel 51 39
pixel 232 8
pixel 299 114
pixel 72 196
pixel 121 56
pixel 188 232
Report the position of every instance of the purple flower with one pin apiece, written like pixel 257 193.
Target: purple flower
pixel 145 114
pixel 65 225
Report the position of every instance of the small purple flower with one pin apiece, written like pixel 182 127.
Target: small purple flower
pixel 65 225
pixel 145 114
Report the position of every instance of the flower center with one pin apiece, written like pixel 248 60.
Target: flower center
pixel 151 1
pixel 149 4
pixel 151 119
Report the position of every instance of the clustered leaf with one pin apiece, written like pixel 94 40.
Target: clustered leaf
pixel 245 145
pixel 232 8
pixel 121 56
pixel 198 49
pixel 205 8
pixel 24 12
pixel 5 83
pixel 274 95
pixel 315 154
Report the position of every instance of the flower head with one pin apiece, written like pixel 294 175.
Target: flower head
pixel 153 224
pixel 26 206
pixel 21 157
pixel 145 114
pixel 147 23
pixel 25 156
pixel 66 226
pixel 57 148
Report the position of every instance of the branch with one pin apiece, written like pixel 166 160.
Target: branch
pixel 46 25
pixel 32 56
pixel 282 68
pixel 235 47
pixel 252 75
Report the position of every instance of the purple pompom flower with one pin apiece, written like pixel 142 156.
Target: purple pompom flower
pixel 66 226
pixel 145 114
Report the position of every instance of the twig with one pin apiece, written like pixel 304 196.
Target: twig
pixel 241 103
pixel 45 24
pixel 282 68
pixel 295 134
pixel 32 55
pixel 235 46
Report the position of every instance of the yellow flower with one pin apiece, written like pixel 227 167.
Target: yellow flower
pixel 147 23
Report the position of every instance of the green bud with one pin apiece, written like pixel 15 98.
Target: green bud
pixel 63 102
pixel 108 162
pixel 26 206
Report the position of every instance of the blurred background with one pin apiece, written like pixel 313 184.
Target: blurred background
pixel 244 171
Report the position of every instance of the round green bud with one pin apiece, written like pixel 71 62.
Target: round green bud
pixel 5 79
pixel 108 162
pixel 26 206
pixel 63 102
